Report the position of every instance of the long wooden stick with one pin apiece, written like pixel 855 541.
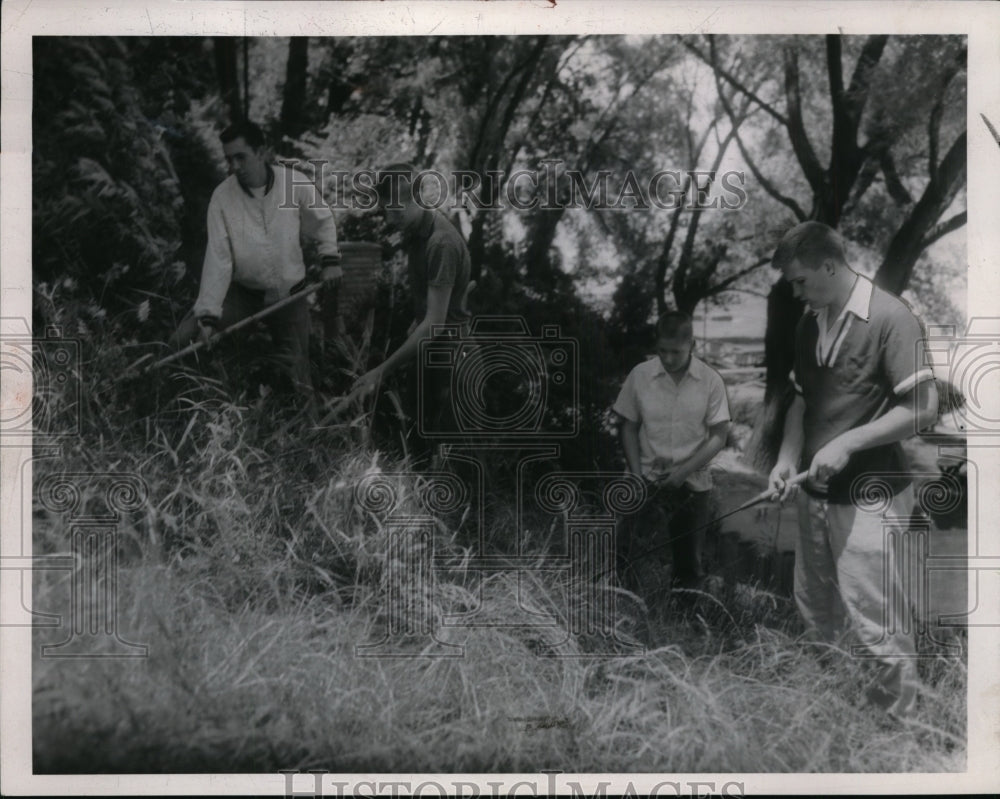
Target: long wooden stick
pixel 270 309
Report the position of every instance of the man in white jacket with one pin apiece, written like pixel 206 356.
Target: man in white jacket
pixel 256 218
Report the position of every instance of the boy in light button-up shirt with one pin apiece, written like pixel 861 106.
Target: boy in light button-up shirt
pixel 675 419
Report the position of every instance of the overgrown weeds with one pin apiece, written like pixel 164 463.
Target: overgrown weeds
pixel 266 571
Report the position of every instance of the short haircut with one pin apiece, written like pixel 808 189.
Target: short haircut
pixel 246 130
pixel 809 243
pixel 674 324
pixel 394 183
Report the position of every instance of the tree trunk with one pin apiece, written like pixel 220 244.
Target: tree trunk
pixel 293 102
pixel 477 246
pixel 911 238
pixel 783 312
pixel 339 84
pixel 227 73
pixel 538 256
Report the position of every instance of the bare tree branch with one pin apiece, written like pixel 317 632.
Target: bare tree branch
pixel 611 112
pixel 844 153
pixel 688 114
pixel 542 103
pixel 847 158
pixel 933 131
pixel 663 261
pixel 814 173
pixel 724 285
pixel 908 242
pixel 866 176
pixel 747 291
pixel 684 264
pixel 937 112
pixel 769 187
pixel 944 228
pixel 893 184
pixel 857 92
pixel 991 129
pixel 487 125
pixel 737 84
pixel 835 72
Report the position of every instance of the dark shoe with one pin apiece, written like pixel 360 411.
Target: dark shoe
pixel 895 690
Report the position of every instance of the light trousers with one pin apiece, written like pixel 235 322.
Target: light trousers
pixel 849 587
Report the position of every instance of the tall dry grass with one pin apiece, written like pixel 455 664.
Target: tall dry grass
pixel 253 573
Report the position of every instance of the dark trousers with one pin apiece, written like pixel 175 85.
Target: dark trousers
pixel 433 402
pixel 433 422
pixel 670 520
pixel 289 328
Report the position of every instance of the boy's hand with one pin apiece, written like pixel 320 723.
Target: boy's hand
pixel 332 275
pixel 207 326
pixel 778 481
pixel 831 458
pixel 332 272
pixel 365 384
pixel 674 480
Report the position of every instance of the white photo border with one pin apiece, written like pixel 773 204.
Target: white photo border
pixel 22 19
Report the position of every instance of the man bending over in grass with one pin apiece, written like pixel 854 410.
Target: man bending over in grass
pixel 254 253
pixel 675 419
pixel 861 387
pixel 439 266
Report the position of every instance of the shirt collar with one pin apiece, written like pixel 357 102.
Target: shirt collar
pixel 267 186
pixel 694 370
pixel 858 302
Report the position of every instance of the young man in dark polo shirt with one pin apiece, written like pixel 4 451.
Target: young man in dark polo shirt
pixel 439 266
pixel 861 388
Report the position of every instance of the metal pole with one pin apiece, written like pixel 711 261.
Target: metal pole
pixel 197 345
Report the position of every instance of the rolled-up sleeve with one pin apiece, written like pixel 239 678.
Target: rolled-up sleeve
pixel 903 352
pixel 217 271
pixel 718 402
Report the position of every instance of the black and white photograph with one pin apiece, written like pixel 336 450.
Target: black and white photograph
pixel 508 398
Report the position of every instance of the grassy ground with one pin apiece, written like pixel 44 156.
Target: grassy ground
pixel 253 572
